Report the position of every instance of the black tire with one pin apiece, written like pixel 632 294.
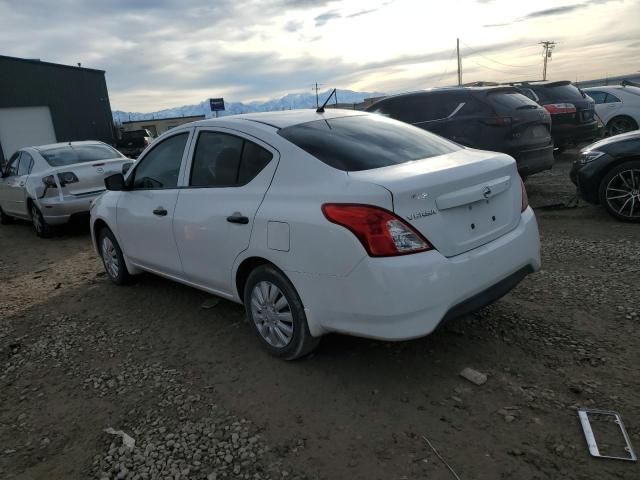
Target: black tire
pixel 620 124
pixel 615 183
pixel 4 218
pixel 40 225
pixel 107 240
pixel 300 343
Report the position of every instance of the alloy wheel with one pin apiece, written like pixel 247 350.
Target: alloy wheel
pixel 623 193
pixel 272 314
pixel 36 218
pixel 110 257
pixel 621 125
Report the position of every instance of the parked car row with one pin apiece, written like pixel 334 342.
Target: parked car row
pixel 524 120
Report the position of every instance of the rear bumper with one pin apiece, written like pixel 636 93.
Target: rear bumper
pixel 59 210
pixel 534 161
pixel 573 133
pixel 407 297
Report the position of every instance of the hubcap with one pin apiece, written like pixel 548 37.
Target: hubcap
pixel 623 193
pixel 36 218
pixel 271 314
pixel 110 257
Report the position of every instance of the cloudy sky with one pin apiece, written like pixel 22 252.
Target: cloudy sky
pixel 165 53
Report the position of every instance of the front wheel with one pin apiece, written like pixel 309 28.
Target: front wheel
pixel 276 314
pixel 620 191
pixel 40 225
pixel 112 257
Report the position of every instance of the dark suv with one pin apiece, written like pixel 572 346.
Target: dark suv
pixel 572 111
pixel 488 118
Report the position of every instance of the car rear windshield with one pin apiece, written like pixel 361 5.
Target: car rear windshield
pixel 135 134
pixel 560 92
pixel 509 100
pixel 364 142
pixel 70 154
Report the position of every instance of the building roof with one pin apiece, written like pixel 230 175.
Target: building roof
pixel 282 119
pixel 49 64
pixel 151 120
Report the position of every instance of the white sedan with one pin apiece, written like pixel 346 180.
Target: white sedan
pixel 321 222
pixel 618 107
pixel 51 184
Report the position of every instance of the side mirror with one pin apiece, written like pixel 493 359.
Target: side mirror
pixel 115 182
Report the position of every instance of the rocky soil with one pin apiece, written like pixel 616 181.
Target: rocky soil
pixel 200 400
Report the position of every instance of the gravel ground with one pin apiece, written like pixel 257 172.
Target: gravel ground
pixel 201 400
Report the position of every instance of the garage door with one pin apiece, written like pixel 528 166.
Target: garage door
pixel 25 127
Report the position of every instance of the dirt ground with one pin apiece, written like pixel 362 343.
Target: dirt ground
pixel 202 400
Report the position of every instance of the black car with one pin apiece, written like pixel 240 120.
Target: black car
pixel 608 173
pixel 573 113
pixel 500 119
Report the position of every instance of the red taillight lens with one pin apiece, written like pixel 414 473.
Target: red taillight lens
pixel 381 233
pixel 525 198
pixel 556 108
pixel 498 121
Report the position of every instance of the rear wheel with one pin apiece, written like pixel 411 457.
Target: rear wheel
pixel 620 191
pixel 112 257
pixel 40 225
pixel 4 218
pixel 621 124
pixel 276 314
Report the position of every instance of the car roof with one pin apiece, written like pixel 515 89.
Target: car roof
pixel 281 119
pixel 481 88
pixel 51 146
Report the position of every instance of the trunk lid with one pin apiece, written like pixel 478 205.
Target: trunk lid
pixel 91 175
pixel 458 201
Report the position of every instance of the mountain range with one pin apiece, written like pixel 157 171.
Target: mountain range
pixel 288 102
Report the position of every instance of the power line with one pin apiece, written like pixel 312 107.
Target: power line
pixel 496 61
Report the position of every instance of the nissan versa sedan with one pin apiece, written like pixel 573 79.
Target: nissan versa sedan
pixel 341 221
pixel 51 184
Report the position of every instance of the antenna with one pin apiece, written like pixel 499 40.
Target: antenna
pixel 333 93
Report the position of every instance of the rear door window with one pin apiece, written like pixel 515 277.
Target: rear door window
pixel 26 163
pixel 598 97
pixel 364 142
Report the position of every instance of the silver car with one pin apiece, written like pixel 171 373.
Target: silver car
pixel 49 185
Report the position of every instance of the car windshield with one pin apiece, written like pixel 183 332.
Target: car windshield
pixel 363 142
pixel 70 154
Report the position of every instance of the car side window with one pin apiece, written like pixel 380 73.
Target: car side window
pixel 223 160
pixel 26 164
pixel 160 168
pixel 598 97
pixel 12 166
pixel 612 99
pixel 527 92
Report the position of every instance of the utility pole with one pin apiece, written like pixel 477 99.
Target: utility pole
pixel 548 47
pixel 316 86
pixel 459 62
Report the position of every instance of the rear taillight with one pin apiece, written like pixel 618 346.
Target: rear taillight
pixel 49 181
pixel 525 199
pixel 498 121
pixel 556 108
pixel 381 233
pixel 66 178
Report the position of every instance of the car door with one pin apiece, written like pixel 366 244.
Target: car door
pixel 18 193
pixel 225 184
pixel 145 209
pixel 9 184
